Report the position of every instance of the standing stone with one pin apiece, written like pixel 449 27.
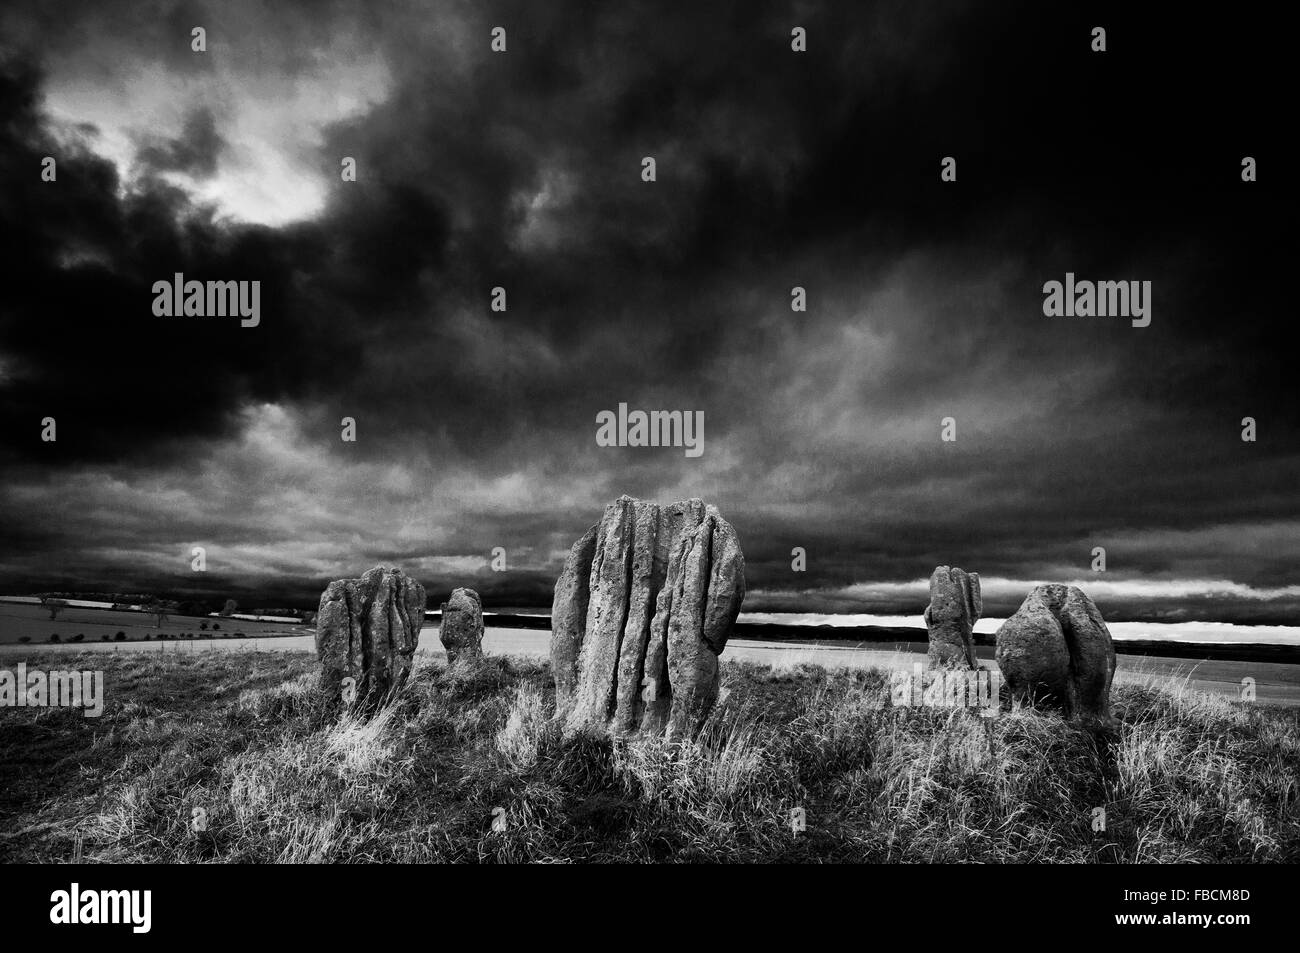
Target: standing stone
pixel 462 626
pixel 1057 650
pixel 644 606
pixel 954 608
pixel 367 630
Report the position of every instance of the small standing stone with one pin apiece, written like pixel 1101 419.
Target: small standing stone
pixel 954 608
pixel 462 626
pixel 1057 650
pixel 366 631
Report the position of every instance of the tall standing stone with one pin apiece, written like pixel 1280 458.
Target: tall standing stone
pixel 954 608
pixel 1057 650
pixel 367 630
pixel 644 606
pixel 461 631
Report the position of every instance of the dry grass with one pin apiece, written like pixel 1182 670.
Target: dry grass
pixel 232 758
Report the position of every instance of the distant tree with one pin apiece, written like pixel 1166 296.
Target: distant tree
pixel 54 605
pixel 160 609
pixel 203 626
pixel 230 608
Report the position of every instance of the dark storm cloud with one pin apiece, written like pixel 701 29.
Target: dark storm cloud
pixel 775 169
pixel 195 151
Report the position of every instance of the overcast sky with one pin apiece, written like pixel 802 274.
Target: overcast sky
pixel 476 429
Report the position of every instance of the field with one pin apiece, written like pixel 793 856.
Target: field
pixel 231 757
pixel 20 621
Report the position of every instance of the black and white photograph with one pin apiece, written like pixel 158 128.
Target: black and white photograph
pixel 482 432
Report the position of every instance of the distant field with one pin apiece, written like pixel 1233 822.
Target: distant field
pixel 33 622
pixel 1275 683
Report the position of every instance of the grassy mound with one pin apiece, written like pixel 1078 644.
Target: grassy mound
pixel 231 757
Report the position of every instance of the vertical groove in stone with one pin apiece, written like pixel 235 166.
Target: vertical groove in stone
pixel 692 668
pixel 642 590
pixel 569 617
pixel 606 614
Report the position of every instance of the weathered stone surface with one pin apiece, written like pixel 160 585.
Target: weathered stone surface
pixel 367 630
pixel 569 616
pixel 954 608
pixel 461 631
pixel 642 609
pixel 1056 650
